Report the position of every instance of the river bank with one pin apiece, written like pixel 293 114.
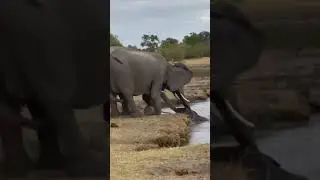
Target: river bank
pixel 155 147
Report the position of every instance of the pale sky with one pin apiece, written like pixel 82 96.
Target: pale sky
pixel 130 19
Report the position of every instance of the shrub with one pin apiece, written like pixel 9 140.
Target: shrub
pixel 173 52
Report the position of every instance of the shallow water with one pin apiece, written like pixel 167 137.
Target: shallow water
pixel 201 132
pixel 296 149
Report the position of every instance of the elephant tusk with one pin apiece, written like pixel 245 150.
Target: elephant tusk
pixel 238 115
pixel 184 98
pixel 175 95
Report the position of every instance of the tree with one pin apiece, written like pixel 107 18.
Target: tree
pixel 150 41
pixel 114 41
pixel 191 39
pixel 132 46
pixel 204 36
pixel 169 41
pixel 194 38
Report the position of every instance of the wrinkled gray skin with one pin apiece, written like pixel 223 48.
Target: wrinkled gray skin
pixel 135 73
pixel 235 47
pixel 53 60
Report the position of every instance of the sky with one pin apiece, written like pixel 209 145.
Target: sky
pixel 130 19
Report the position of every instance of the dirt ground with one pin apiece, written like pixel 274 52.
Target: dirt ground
pixel 153 147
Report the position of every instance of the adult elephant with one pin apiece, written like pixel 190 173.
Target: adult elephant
pixel 135 73
pixel 53 57
pixel 236 47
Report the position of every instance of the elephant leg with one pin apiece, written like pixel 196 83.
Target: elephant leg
pixel 149 110
pixel 155 97
pixel 50 156
pixel 125 106
pixel 17 163
pixel 114 107
pixel 134 112
pixel 80 161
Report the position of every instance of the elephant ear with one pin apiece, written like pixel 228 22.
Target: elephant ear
pixel 178 75
pixel 236 44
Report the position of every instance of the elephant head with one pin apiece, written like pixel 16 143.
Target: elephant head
pixel 177 75
pixel 235 47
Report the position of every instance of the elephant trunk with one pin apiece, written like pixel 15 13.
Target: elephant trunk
pixel 179 95
pixel 167 100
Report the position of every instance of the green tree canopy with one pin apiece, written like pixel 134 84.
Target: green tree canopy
pixel 169 41
pixel 114 41
pixel 150 41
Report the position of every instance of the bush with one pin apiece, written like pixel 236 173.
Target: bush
pixel 196 51
pixel 173 52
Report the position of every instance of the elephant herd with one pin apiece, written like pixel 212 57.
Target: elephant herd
pixel 54 60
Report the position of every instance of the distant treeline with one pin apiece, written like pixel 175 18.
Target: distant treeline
pixel 194 45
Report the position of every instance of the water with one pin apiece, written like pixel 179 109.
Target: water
pixel 201 132
pixel 297 150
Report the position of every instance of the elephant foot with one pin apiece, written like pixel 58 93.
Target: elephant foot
pixel 52 162
pixel 18 167
pixel 95 164
pixel 149 111
pixel 136 114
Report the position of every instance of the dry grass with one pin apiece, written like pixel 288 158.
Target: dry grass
pixel 199 66
pixel 150 148
pixel 197 61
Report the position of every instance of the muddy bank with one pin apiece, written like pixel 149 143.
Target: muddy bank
pixel 154 148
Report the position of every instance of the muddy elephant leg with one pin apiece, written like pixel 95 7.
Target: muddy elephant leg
pixel 17 163
pixel 114 107
pixel 125 106
pixel 50 156
pixel 149 110
pixel 134 112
